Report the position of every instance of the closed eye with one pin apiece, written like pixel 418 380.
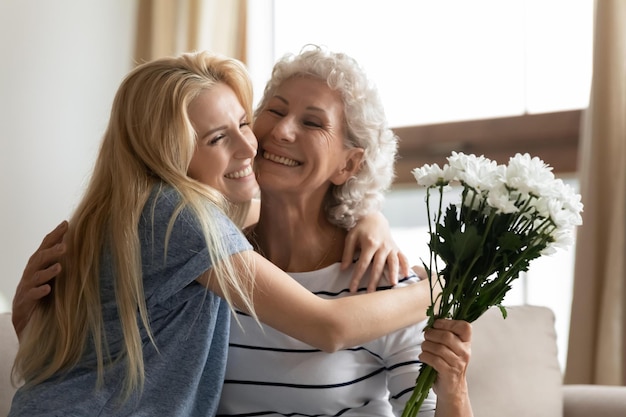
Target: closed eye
pixel 276 112
pixel 312 124
pixel 216 139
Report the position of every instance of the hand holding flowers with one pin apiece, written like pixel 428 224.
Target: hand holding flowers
pixel 507 216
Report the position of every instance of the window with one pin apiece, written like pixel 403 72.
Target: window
pixel 447 60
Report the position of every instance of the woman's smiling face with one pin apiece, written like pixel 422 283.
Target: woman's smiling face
pixel 301 135
pixel 226 145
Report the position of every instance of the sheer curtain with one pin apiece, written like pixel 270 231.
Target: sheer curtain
pixel 597 341
pixel 166 27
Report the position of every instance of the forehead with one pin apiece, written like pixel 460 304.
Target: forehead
pixel 215 103
pixel 310 91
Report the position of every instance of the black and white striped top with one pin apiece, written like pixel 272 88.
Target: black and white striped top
pixel 272 374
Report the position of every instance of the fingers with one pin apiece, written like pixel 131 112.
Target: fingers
pixel 378 256
pixel 420 271
pixel 349 250
pixel 371 235
pixel 447 349
pixel 381 258
pixel 43 276
pixel 446 346
pixel 393 265
pixel 364 261
pixel 54 237
pixel 42 267
pixel 39 292
pixel 405 269
pixel 49 252
pixel 461 328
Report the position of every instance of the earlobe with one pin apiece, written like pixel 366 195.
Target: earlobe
pixel 351 166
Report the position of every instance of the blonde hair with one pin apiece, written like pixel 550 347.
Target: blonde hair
pixel 149 141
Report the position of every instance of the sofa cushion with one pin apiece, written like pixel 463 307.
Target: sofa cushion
pixel 8 349
pixel 514 369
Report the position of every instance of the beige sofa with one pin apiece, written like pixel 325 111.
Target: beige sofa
pixel 514 371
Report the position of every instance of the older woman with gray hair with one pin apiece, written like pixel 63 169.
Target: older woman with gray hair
pixel 326 156
pixel 364 126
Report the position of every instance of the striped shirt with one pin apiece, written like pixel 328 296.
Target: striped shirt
pixel 271 374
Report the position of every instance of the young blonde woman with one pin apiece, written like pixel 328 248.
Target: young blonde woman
pixel 138 319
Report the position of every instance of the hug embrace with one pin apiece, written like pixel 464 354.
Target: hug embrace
pixel 169 264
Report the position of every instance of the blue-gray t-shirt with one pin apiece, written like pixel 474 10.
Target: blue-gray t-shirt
pixel 185 372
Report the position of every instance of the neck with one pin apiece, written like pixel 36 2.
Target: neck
pixel 296 238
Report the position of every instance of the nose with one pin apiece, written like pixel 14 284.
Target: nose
pixel 246 145
pixel 284 129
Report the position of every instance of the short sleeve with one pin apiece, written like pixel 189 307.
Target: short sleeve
pixel 167 269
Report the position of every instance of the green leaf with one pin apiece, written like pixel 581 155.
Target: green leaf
pixel 466 244
pixel 510 241
pixel 503 311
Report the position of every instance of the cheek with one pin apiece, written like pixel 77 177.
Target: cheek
pixel 204 171
pixel 262 125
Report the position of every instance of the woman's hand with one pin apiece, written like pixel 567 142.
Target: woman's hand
pixel 372 235
pixel 34 285
pixel 447 348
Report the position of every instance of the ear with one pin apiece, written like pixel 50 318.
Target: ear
pixel 351 166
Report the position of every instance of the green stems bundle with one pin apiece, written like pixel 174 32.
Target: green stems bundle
pixel 506 217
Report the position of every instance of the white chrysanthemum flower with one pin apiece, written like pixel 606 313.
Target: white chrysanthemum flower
pixel 542 206
pixel 478 172
pixel 566 219
pixel 528 175
pixel 567 195
pixel 429 175
pixel 500 199
pixel 562 239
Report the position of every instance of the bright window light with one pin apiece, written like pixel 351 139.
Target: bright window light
pixel 445 60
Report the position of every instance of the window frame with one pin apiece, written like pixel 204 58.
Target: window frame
pixel 553 137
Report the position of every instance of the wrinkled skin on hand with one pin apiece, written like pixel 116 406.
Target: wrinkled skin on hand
pixel 372 236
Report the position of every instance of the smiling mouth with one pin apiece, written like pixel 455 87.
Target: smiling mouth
pixel 280 159
pixel 240 174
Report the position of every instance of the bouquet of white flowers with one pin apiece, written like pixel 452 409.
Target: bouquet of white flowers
pixel 507 216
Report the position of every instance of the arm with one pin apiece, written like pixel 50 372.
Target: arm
pixel 372 235
pixel 447 349
pixel 35 283
pixel 329 325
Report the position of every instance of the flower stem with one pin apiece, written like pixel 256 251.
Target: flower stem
pixel 423 384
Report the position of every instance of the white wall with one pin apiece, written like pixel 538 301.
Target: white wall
pixel 61 64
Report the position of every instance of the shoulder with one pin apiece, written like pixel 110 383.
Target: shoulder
pixel 165 202
pixel 167 218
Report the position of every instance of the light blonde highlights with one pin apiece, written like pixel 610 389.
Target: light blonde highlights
pixel 149 142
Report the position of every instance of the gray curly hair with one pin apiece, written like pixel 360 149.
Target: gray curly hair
pixel 366 126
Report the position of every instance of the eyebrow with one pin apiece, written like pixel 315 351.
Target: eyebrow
pixel 211 131
pixel 222 127
pixel 311 108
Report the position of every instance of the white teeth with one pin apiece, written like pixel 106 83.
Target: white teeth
pixel 240 174
pixel 280 159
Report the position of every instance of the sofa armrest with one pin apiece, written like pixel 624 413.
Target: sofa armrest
pixel 594 400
